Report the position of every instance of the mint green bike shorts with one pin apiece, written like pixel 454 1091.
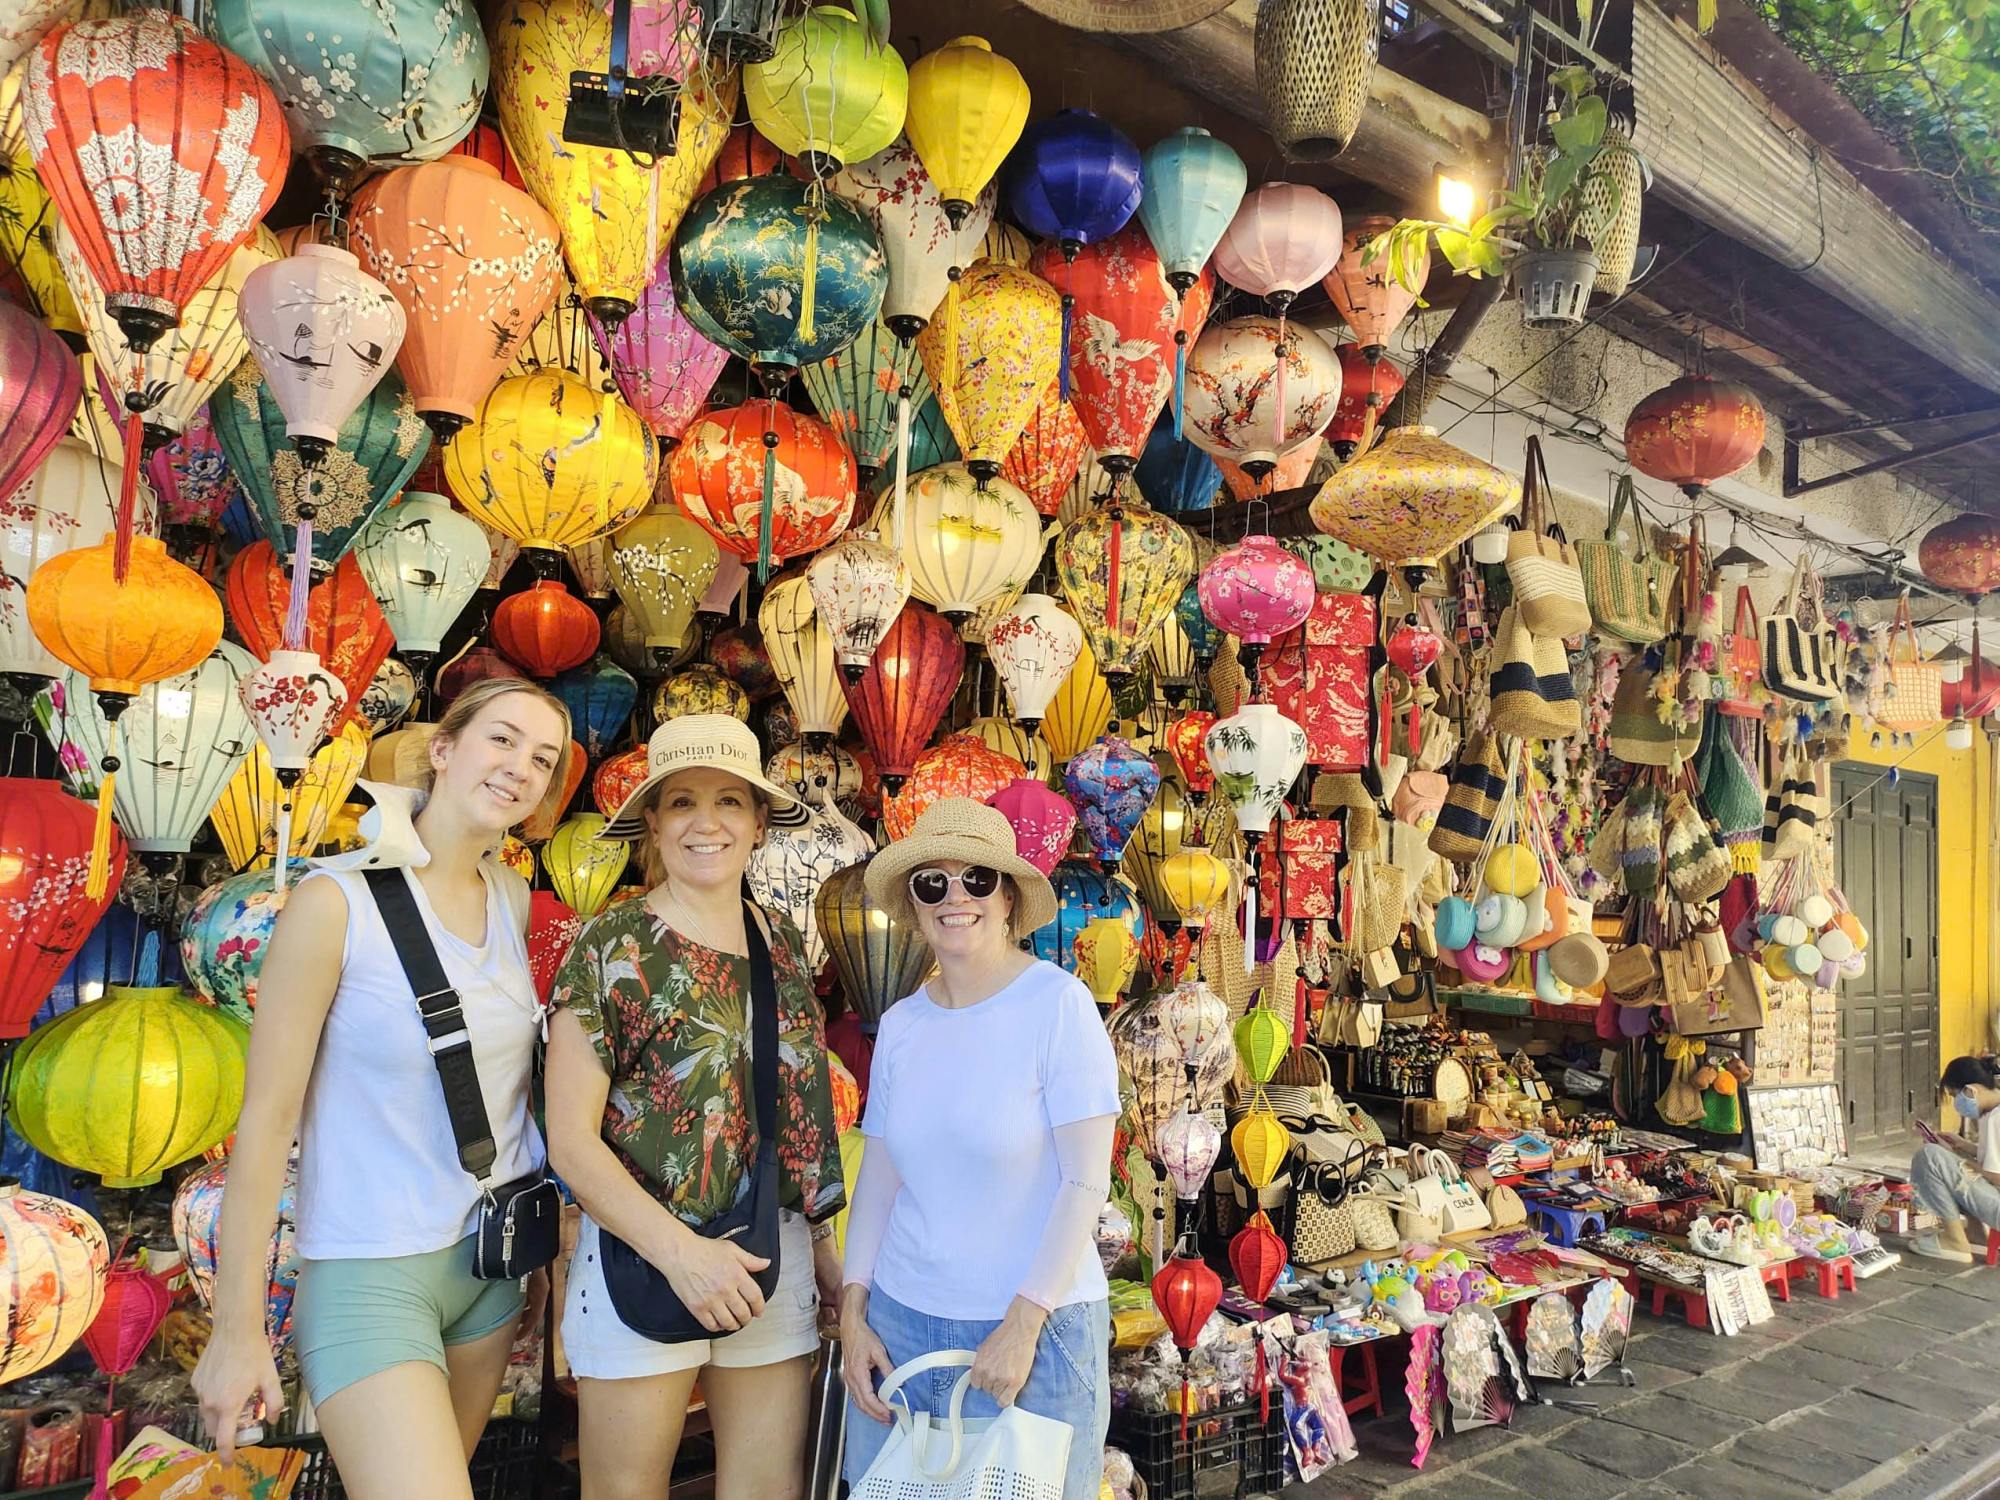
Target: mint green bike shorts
pixel 355 1318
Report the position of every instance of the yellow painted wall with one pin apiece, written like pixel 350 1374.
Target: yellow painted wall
pixel 1965 881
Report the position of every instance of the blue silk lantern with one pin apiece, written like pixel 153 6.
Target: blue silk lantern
pixel 778 274
pixel 378 449
pixel 365 83
pixel 1193 184
pixel 856 391
pixel 600 696
pixel 116 952
pixel 1074 178
pixel 1174 475
pixel 1082 896
pixel 1205 638
pixel 1112 784
pixel 931 439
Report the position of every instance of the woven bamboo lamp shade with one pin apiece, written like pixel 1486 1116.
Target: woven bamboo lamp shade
pixel 1314 62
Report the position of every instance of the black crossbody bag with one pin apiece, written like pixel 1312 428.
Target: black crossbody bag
pixel 520 1222
pixel 640 1293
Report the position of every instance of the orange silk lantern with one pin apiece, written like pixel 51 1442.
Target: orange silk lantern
pixel 745 153
pixel 546 628
pixel 905 688
pixel 1044 459
pixel 617 779
pixel 475 264
pixel 1366 386
pixel 1695 431
pixel 344 624
pixel 959 765
pixel 1963 554
pixel 764 500
pixel 1369 300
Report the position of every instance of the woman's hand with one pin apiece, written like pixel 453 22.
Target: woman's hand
pixel 234 1370
pixel 716 1280
pixel 861 1355
pixel 1002 1363
pixel 826 1277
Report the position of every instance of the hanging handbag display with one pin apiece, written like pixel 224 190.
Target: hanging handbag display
pixel 1638 735
pixel 1629 588
pixel 1541 564
pixel 1803 656
pixel 641 1295
pixel 1741 661
pixel 1792 812
pixel 1697 865
pixel 1915 697
pixel 1533 696
pixel 520 1222
pixel 1477 783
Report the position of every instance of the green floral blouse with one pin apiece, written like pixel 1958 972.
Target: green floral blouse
pixel 671 1023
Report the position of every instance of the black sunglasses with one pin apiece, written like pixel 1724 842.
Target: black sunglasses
pixel 930 887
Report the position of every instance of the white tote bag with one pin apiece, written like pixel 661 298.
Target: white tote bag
pixel 1017 1454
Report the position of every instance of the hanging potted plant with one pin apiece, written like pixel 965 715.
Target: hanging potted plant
pixel 1546 226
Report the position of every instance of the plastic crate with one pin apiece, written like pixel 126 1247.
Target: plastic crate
pixel 1228 1454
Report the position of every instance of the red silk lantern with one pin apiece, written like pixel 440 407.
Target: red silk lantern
pixel 546 629
pixel 762 501
pixel 1366 387
pixel 905 688
pixel 1187 1294
pixel 1044 459
pixel 552 927
pixel 1695 431
pixel 1257 1255
pixel 1128 337
pixel 45 837
pixel 959 765
pixel 1187 742
pixel 746 153
pixel 135 1304
pixel 1962 553
pixel 475 665
pixel 617 779
pixel 487 144
pixel 1413 649
pixel 344 624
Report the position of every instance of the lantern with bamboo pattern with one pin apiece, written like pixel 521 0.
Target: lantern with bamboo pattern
pixel 423 561
pixel 1122 568
pixel 880 958
pixel 53 1260
pixel 767 482
pixel 858 391
pixel 902 694
pixel 661 564
pixel 804 655
pixel 583 867
pixel 967 542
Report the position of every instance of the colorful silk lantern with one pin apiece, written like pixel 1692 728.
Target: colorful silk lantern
pixel 1083 895
pixel 1111 784
pixel 1013 740
pixel 612 209
pixel 600 697
pixel 190 477
pixel 224 938
pixel 1106 959
pixel 617 779
pixel 791 863
pixel 1256 591
pixel 1043 821
pixel 925 249
pixel 1081 709
pixel 1284 237
pixel 546 628
pixel 664 366
pixel 1262 1038
pixel 661 563
pixel 1193 186
pixel 1412 498
pixel 1186 739
pixel 1173 474
pixel 1187 1294
pixel 760 499
pixel 1258 1257
pixel 968 541
pixel 1045 458
pixel 1256 392
pixel 1196 883
pixel 39 398
pixel 552 931
pixel 1695 431
pixel 880 957
pixel 830 93
pixel 127 1087
pixel 53 1259
pixel 1034 646
pixel 551 462
pixel 1122 568
pixel 1962 553
pixel 343 623
pixel 29 268
pixel 197 1222
pixel 474 264
pixel 324 504
pixel 247 816
pixel 967 106
pixel 903 692
pixel 1366 386
pixel 423 561
pixel 406 87
pixel 992 364
pixel 859 587
pixel 1369 300
pixel 959 765
pixel 583 867
pixel 45 856
pixel 1260 1144
pixel 858 391
pixel 1257 754
pixel 700 689
pixel 1290 472
pixel 1188 1143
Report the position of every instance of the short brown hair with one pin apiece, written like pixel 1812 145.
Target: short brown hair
pixel 465 708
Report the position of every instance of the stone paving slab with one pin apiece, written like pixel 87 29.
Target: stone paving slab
pixel 1625 1451
pixel 1673 1415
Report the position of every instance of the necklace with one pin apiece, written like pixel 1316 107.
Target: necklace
pixel 697 932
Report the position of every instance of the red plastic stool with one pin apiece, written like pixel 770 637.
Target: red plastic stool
pixel 1993 1247
pixel 1778 1277
pixel 1694 1305
pixel 1369 1392
pixel 1833 1274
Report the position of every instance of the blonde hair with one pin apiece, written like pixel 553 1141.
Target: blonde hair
pixel 652 866
pixel 465 708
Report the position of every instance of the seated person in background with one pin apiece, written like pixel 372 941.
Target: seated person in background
pixel 1956 1177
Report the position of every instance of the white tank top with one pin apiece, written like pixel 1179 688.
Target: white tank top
pixel 378 1167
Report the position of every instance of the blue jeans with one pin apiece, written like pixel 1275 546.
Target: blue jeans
pixel 1070 1381
pixel 1946 1185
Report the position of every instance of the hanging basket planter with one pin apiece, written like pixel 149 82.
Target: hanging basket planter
pixel 1315 59
pixel 1612 221
pixel 1555 286
pixel 1127 16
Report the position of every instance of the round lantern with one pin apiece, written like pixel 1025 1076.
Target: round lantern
pixel 1962 553
pixel 831 92
pixel 197 1221
pixel 546 629
pixel 1051 448
pixel 1255 391
pixel 958 765
pixel 474 263
pixel 583 867
pixel 617 779
pixel 1412 498
pixel 967 106
pixel 344 626
pixel 1043 821
pixel 550 462
pixel 880 958
pixel 1256 591
pixel 991 363
pixel 1111 783
pixel 1033 646
pixel 423 561
pixel 45 849
pixel 129 1086
pixel 818 775
pixel 1193 186
pixel 224 938
pixel 859 587
pixel 1695 431
pixel 665 367
pixel 1197 883
pixel 39 400
pixel 968 541
pixel 1073 178
pixel 1122 568
pixel 903 692
pixel 700 690
pixel 661 563
pixel 246 815
pixel 1257 754
pixel 767 482
pixel 803 654
pixel 53 1260
pixel 1082 896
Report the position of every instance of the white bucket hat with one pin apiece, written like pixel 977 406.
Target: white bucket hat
pixel 720 742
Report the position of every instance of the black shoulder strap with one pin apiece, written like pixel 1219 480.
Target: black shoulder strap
pixel 444 1022
pixel 763 1030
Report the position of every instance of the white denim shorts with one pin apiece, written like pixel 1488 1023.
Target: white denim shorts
pixel 601 1347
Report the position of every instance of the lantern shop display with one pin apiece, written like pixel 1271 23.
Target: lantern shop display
pixel 197 1221
pixel 880 958
pixel 53 1263
pixel 791 863
pixel 902 693
pixel 1695 431
pixel 967 541
pixel 1081 709
pixel 859 391
pixel 764 501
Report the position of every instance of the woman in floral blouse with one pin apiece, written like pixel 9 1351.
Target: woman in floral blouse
pixel 652 1122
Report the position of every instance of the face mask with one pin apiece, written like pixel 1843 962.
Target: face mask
pixel 1966 1103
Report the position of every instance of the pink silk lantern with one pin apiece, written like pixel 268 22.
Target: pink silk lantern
pixel 324 332
pixel 38 397
pixel 1188 1142
pixel 1043 821
pixel 1285 237
pixel 191 477
pixel 135 1303
pixel 1256 590
pixel 663 365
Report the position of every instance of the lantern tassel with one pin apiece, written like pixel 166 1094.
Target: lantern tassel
pixel 764 512
pixel 808 294
pixel 98 880
pixel 1062 369
pixel 1112 571
pixel 284 838
pixel 295 609
pixel 903 449
pixel 1299 1011
pixel 128 499
pixel 1180 381
pixel 106 1450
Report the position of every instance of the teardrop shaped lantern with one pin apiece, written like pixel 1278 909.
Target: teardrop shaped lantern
pixel 1257 754
pixel 1111 784
pixel 830 93
pixel 1189 1143
pixel 880 957
pixel 582 867
pixel 858 390
pixel 1194 184
pixel 1106 959
pixel 1262 1039
pixel 1240 408
pixel 1081 709
pixel 1260 1144
pixel 1033 647
pixel 1367 386
pixel 1258 1257
pixel 423 561
pixel 791 863
pixel 1695 431
pixel 661 564
pixel 1122 567
pixel 859 586
pixel 968 541
pixel 903 693
pixel 665 366
pixel 967 107
pixel 926 252
pixel 803 655
pixel 1315 60
pixel 1043 821
pixel 959 765
pixel 1256 591
pixel 767 482
pixel 39 399
pixel 990 367
pixel 53 1260
pixel 1412 498
pixel 1369 300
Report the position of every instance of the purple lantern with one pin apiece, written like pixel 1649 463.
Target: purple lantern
pixel 1112 784
pixel 1043 822
pixel 664 368
pixel 1255 591
pixel 191 477
pixel 38 398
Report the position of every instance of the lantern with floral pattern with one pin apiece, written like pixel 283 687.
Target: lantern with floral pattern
pixel 1043 821
pixel 1112 783
pixel 956 766
pixel 1695 431
pixel 1122 568
pixel 1033 646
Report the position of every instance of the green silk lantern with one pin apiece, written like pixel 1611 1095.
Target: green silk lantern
pixel 1262 1040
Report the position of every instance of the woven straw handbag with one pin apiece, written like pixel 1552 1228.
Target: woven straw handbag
pixel 1916 686
pixel 1374 1219
pixel 1541 564
pixel 1630 589
pixel 1533 696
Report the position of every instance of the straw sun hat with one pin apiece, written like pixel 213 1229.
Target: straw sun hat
pixel 958 828
pixel 721 742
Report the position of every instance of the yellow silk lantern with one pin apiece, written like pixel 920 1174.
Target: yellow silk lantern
pixel 1262 1040
pixel 1196 883
pixel 1157 837
pixel 518 857
pixel 129 1085
pixel 1009 738
pixel 615 215
pixel 1081 710
pixel 829 93
pixel 583 867
pixel 1005 245
pixel 552 463
pixel 990 354
pixel 661 565
pixel 967 105
pixel 1412 498
pixel 802 654
pixel 966 543
pixel 1106 957
pixel 700 690
pixel 1261 1144
pixel 1120 608
pixel 53 1257
pixel 246 817
pixel 28 217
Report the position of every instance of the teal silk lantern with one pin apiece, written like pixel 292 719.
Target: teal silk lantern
pixel 365 83
pixel 1204 637
pixel 778 274
pixel 378 449
pixel 1193 185
pixel 855 391
pixel 931 440
pixel 1082 896
pixel 600 696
